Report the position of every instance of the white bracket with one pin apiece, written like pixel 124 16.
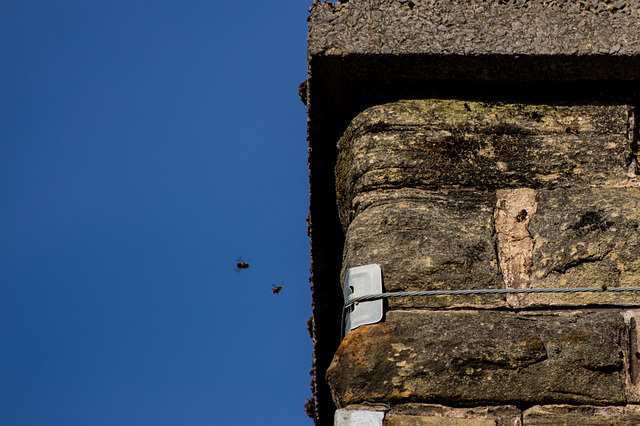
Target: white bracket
pixel 363 281
pixel 344 417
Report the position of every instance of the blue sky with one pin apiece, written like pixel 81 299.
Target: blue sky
pixel 145 146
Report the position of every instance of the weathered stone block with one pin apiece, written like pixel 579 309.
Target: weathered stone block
pixel 586 238
pixel 430 144
pixel 483 357
pixel 440 415
pixel 552 415
pixel 426 240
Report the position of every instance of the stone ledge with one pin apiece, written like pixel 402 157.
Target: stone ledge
pixel 474 27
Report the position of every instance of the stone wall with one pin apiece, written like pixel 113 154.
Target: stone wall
pixel 448 195
pixel 484 195
pixel 477 145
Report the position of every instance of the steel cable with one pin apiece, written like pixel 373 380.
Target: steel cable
pixel 371 297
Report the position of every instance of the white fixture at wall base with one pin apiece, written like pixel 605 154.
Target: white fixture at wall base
pixel 344 417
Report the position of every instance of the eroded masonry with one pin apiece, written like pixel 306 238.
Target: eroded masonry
pixel 476 145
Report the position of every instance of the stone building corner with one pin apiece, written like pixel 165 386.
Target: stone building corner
pixel 484 155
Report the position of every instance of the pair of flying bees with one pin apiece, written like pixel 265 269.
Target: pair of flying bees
pixel 275 289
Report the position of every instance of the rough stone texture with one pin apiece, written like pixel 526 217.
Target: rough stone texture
pixel 586 238
pixel 439 415
pixel 432 144
pixel 426 240
pixel 475 27
pixel 483 357
pixel 371 52
pixel 553 415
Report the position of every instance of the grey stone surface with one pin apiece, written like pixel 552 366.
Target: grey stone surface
pixel 426 240
pixel 552 415
pixel 413 414
pixel 586 238
pixel 475 27
pixel 432 144
pixel 483 357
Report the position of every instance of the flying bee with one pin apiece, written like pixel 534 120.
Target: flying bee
pixel 276 289
pixel 521 216
pixel 572 130
pixel 241 264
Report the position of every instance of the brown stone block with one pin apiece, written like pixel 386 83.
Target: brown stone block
pixel 586 238
pixel 440 415
pixel 553 415
pixel 483 357
pixel 425 240
pixel 430 144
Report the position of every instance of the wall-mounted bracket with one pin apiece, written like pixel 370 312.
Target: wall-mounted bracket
pixel 344 417
pixel 362 281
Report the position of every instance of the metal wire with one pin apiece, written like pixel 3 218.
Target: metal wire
pixel 370 297
pixel 382 405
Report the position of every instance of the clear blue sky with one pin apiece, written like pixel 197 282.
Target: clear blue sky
pixel 146 144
